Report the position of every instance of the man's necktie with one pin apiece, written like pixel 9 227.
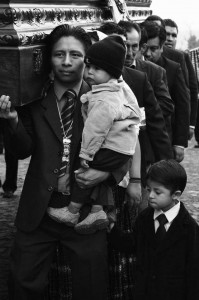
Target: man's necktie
pixel 161 231
pixel 66 124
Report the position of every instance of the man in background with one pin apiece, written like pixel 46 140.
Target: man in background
pixel 171 40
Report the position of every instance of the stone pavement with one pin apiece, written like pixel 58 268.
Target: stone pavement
pixel 8 207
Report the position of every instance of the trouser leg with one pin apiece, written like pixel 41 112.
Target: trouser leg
pixel 30 261
pixel 88 257
pixel 197 127
pixel 11 161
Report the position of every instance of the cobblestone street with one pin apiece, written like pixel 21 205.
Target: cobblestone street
pixel 8 207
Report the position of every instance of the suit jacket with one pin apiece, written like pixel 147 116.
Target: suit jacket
pixel 154 141
pixel 39 134
pixel 178 57
pixel 167 272
pixel 158 79
pixel 193 86
pixel 178 92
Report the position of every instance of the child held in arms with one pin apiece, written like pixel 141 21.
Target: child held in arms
pixel 111 117
pixel 165 239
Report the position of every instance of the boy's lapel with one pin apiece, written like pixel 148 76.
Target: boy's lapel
pixel 149 228
pixel 175 232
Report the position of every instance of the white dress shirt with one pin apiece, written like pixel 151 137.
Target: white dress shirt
pixel 170 215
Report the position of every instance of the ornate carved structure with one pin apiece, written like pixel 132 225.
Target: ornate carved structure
pixel 25 23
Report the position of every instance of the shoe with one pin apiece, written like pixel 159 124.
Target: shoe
pixel 92 223
pixel 63 215
pixel 8 194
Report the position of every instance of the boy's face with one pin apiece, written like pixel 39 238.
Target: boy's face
pixel 67 60
pixel 160 197
pixel 94 75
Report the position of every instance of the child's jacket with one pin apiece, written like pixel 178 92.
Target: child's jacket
pixel 110 112
pixel 170 272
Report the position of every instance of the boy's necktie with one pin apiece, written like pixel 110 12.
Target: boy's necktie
pixel 66 123
pixel 161 231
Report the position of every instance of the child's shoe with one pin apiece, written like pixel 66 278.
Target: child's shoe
pixel 63 215
pixel 93 222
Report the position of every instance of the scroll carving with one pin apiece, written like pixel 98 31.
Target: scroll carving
pixel 29 25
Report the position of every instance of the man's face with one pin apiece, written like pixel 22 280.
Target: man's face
pixel 132 43
pixel 154 50
pixel 171 38
pixel 67 60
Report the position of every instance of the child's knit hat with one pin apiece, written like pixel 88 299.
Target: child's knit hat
pixel 108 54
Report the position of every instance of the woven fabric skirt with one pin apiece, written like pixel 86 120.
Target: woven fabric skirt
pixel 121 266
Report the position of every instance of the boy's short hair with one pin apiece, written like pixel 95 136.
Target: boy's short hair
pixel 169 173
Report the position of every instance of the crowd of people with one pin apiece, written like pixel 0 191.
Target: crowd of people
pixel 104 181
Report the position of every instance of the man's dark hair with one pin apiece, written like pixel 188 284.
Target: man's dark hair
pixel 67 30
pixel 144 35
pixel 154 18
pixel 129 25
pixel 169 173
pixel 171 23
pixel 111 28
pixel 154 30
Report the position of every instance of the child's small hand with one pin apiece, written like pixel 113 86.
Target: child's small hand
pixel 84 163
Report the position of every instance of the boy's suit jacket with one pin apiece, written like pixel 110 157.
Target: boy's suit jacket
pixel 167 272
pixel 177 89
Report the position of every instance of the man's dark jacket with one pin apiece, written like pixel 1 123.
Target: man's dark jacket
pixel 158 79
pixel 179 58
pixel 193 86
pixel 39 135
pixel 167 272
pixel 154 141
pixel 177 90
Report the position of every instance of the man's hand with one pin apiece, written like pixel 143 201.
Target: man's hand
pixel 178 153
pixel 90 178
pixel 133 194
pixel 6 112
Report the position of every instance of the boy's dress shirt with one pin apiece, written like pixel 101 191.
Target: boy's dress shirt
pixel 170 215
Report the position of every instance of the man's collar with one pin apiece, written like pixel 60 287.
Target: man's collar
pixel 60 90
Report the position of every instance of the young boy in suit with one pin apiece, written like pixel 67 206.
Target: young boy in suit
pixel 165 239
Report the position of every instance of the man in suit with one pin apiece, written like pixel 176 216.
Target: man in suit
pixel 172 54
pixel 144 93
pixel 155 74
pixel 177 88
pixel 171 40
pixel 35 130
pixel 154 140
